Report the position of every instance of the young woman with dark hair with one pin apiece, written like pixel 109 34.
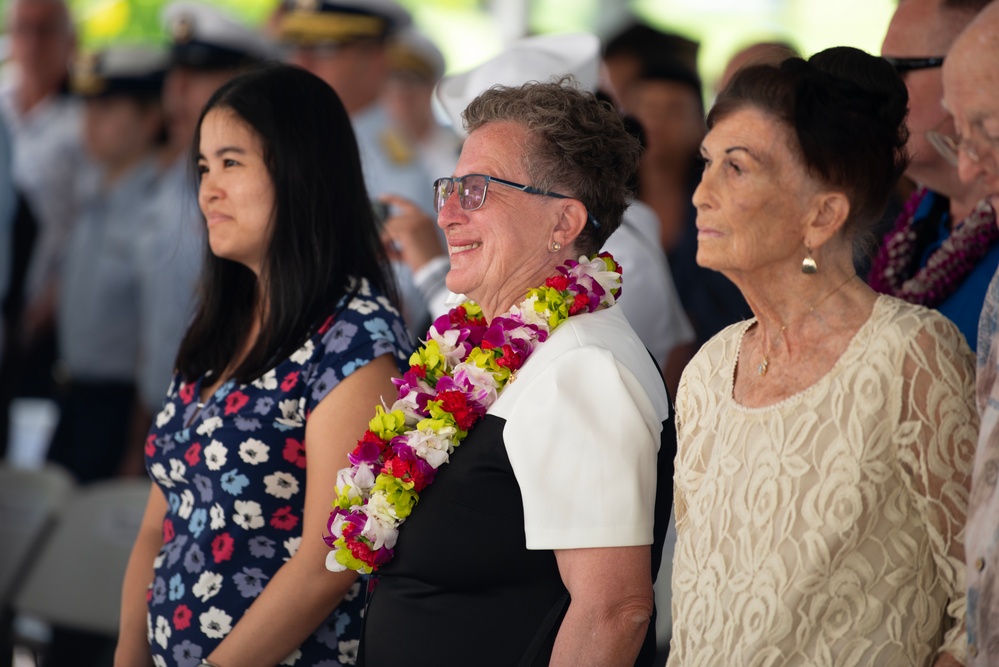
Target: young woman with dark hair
pixel 295 336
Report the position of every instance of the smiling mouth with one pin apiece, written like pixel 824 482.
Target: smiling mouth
pixel 462 248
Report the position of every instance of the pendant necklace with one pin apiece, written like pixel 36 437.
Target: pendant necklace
pixel 761 370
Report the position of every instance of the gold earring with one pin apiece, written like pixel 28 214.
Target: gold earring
pixel 808 265
pixel 556 246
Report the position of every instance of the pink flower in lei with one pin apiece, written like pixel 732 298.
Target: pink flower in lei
pixel 452 381
pixel 948 266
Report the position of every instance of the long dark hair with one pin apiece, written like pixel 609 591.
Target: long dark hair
pixel 323 232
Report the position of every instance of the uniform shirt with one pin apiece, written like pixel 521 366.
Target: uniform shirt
pixel 649 299
pixel 48 158
pixel 98 324
pixel 982 533
pixel 170 254
pixel 392 167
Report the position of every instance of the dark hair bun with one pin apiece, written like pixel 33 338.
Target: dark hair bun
pixel 863 80
pixel 849 117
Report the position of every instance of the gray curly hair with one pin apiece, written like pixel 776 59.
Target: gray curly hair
pixel 577 146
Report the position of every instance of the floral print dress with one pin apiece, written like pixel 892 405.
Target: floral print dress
pixel 233 473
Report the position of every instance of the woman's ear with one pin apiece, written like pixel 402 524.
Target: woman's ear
pixel 829 215
pixel 572 220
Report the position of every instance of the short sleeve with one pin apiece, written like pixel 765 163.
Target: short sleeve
pixel 583 441
pixel 367 327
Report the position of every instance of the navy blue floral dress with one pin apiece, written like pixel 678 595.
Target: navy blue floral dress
pixel 233 473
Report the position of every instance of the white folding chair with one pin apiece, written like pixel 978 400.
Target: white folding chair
pixel 29 502
pixel 76 580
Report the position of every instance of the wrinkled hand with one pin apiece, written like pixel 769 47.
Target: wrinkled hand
pixel 410 235
pixel 947 660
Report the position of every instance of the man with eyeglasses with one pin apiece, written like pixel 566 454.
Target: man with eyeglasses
pixel 971 94
pixel 944 246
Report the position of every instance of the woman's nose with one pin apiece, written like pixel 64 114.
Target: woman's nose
pixel 451 211
pixel 702 194
pixel 208 190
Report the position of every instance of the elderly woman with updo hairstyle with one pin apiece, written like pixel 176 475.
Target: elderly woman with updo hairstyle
pixel 825 445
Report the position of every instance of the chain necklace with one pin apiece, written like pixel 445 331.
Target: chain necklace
pixel 761 370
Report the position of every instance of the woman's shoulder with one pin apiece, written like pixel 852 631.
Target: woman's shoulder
pixel 362 317
pixel 896 321
pixel 603 339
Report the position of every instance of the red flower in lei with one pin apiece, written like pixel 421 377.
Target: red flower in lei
pixel 945 270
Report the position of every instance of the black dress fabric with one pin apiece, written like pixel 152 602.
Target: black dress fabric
pixel 463 589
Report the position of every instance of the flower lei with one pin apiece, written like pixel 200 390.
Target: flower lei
pixel 946 268
pixel 452 381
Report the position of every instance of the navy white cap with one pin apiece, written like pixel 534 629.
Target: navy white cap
pixel 540 58
pixel 411 52
pixel 205 37
pixel 121 70
pixel 307 22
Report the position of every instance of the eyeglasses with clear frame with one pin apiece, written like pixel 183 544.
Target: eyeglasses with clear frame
pixel 979 152
pixel 472 189
pixel 903 65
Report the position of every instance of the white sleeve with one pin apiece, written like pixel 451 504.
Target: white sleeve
pixel 583 440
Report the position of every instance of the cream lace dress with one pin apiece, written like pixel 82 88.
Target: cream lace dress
pixel 827 529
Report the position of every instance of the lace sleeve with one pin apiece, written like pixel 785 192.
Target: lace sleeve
pixel 936 440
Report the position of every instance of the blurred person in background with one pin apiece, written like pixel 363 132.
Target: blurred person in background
pixel 346 43
pixel 8 203
pixel 666 101
pixel 45 125
pixel 415 67
pixel 971 94
pixel 98 323
pixel 943 248
pixel 756 53
pixel 633 49
pixel 208 47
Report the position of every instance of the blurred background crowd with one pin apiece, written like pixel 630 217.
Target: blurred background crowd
pixel 101 240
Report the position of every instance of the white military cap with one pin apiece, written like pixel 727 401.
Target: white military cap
pixel 133 70
pixel 338 21
pixel 412 52
pixel 205 37
pixel 540 58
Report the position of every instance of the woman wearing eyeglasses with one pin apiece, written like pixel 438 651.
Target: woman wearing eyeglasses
pixel 508 500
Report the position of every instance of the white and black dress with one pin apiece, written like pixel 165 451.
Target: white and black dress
pixel 577 452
